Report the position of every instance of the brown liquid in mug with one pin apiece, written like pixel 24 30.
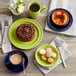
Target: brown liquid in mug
pixel 34 8
pixel 15 58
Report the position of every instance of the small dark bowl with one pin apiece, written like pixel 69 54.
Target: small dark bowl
pixel 56 27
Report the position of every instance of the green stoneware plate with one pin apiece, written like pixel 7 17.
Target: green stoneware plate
pixel 44 63
pixel 25 45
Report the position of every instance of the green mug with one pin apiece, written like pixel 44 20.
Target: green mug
pixel 34 9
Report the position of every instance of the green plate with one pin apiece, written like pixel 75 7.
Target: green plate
pixel 44 63
pixel 25 45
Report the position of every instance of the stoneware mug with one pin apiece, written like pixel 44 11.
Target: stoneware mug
pixel 34 14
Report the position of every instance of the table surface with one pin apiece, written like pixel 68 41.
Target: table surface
pixel 32 70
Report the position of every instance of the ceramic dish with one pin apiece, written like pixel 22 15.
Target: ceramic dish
pixel 13 68
pixel 53 26
pixel 25 45
pixel 44 63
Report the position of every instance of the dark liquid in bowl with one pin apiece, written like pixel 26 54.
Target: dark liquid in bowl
pixel 34 8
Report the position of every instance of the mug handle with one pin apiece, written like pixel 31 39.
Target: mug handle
pixel 42 8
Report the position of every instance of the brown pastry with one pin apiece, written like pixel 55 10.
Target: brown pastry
pixel 50 60
pixel 25 32
pixel 60 18
pixel 43 57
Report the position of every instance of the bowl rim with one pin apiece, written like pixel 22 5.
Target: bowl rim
pixel 63 28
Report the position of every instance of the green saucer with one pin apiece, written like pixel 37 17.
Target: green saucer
pixel 44 63
pixel 25 45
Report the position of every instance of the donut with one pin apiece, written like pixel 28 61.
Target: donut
pixel 25 32
pixel 48 49
pixel 48 54
pixel 53 55
pixel 43 57
pixel 42 51
pixel 50 60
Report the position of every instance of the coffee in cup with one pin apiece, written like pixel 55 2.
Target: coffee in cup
pixel 34 9
pixel 16 58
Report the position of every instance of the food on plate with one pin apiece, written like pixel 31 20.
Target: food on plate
pixel 43 57
pixel 42 51
pixel 25 32
pixel 50 60
pixel 60 17
pixel 48 54
pixel 53 55
pixel 48 49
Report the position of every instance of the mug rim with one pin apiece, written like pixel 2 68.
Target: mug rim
pixel 31 4
pixel 18 68
pixel 16 53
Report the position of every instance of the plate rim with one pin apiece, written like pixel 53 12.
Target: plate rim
pixel 40 28
pixel 56 29
pixel 46 65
